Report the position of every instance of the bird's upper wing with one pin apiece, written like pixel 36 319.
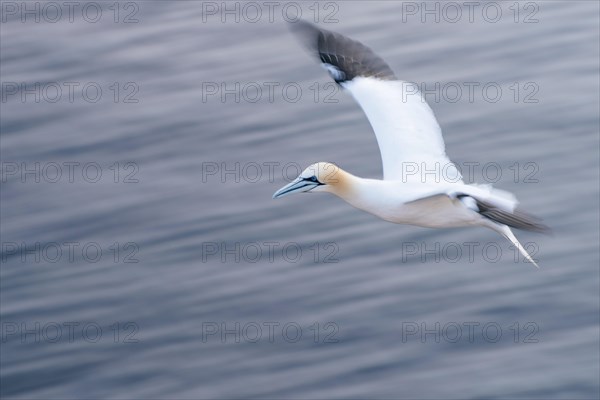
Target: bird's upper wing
pixel 409 137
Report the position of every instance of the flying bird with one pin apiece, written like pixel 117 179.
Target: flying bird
pixel 409 137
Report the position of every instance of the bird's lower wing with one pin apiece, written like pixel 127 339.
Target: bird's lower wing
pixel 493 204
pixel 498 212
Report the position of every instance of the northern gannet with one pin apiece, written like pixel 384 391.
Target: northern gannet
pixel 407 134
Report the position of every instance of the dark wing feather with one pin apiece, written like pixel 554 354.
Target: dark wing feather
pixel 515 219
pixel 348 57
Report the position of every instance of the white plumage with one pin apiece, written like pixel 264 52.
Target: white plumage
pixel 406 129
pixel 410 139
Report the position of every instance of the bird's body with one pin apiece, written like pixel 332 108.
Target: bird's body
pixel 426 205
pixel 386 201
pixel 421 186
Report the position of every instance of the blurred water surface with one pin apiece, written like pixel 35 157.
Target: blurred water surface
pixel 167 210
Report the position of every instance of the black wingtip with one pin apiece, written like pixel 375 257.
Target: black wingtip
pixel 345 58
pixel 516 219
pixel 306 33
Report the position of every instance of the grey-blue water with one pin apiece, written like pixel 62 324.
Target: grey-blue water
pixel 173 274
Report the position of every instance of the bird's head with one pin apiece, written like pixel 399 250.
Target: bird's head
pixel 318 177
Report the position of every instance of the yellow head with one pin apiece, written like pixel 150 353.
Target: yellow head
pixel 318 177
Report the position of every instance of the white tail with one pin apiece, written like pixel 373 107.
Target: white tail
pixel 507 233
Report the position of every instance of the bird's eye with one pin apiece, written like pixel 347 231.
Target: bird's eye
pixel 314 179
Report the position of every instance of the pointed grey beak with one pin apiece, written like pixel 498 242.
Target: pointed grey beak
pixel 296 186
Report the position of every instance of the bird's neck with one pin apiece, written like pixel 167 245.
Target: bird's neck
pixel 353 189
